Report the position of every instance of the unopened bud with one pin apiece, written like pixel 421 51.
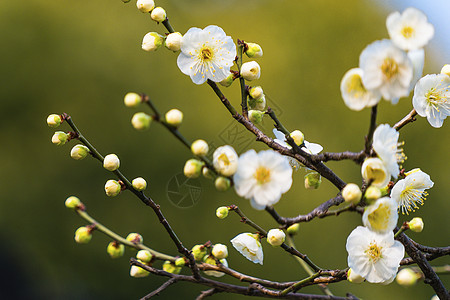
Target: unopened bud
pixel 228 80
pixel 139 184
pixel 138 272
pixel 59 138
pixel 141 121
pixel 144 255
pixel 352 193
pixel 111 162
pixel 407 277
pixel 312 180
pixel 256 92
pixel 72 202
pixel 180 262
pixel 298 137
pixel 115 249
pixel 132 100
pixel 145 6
pixel 276 237
pixel 200 148
pixel 158 14
pixel 135 238
pixel 222 183
pixel 112 188
pixel 209 259
pixel 372 194
pixel 374 170
pixel 152 41
pixel 207 173
pixel 54 120
pixel 254 50
pixel 255 116
pixel 83 235
pixel 174 117
pixel 416 224
pixel 353 277
pixel 173 41
pixel 293 229
pixel 446 70
pixel 193 168
pixel 220 251
pixel 257 104
pixel 199 251
pixel 222 212
pixel 250 70
pixel 170 267
pixel 79 152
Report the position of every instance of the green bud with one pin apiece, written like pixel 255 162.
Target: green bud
pixel 254 50
pixel 152 41
pixel 138 272
pixel 144 255
pixel 209 259
pixel 293 229
pixel 193 168
pixel 222 212
pixel 139 184
pixel 132 100
pixel 115 249
pixel 54 120
pixel 112 188
pixel 312 180
pixel 83 235
pixel 256 92
pixel 59 138
pixel 257 104
pixel 298 137
pixel 135 238
pixel 170 267
pixel 174 117
pixel 416 224
pixel 72 202
pixel 180 262
pixel 372 194
pixel 79 152
pixel 227 81
pixel 199 251
pixel 354 277
pixel 222 183
pixel 207 173
pixel 407 277
pixel 255 116
pixel 141 121
pixel 200 148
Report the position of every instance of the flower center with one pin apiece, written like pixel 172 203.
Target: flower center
pixel 389 68
pixel 376 174
pixel 355 86
pixel 434 98
pixel 223 158
pixel 407 32
pixel 262 175
pixel 206 53
pixel 379 217
pixel 374 252
pixel 409 198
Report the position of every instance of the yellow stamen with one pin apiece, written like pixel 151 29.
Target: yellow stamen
pixel 262 175
pixel 407 32
pixel 389 68
pixel 374 252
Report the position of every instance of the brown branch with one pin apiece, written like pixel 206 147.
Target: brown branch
pixel 357 157
pixel 429 256
pixel 164 286
pixel 407 119
pixel 372 126
pixel 207 293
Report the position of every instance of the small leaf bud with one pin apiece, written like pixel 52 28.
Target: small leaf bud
pixel 222 183
pixel 79 152
pixel 115 249
pixel 416 224
pixel 293 229
pixel 141 121
pixel 255 116
pixel 54 120
pixel 200 148
pixel 276 237
pixel 209 259
pixel 170 267
pixel 139 184
pixel 138 272
pixel 352 193
pixel 59 138
pixel 250 70
pixel 193 168
pixel 256 92
pixel 152 41
pixel 228 80
pixel 145 6
pixel 372 194
pixel 135 238
pixel 180 262
pixel 220 251
pixel 257 104
pixel 83 235
pixel 112 188
pixel 111 162
pixel 407 277
pixel 173 41
pixel 132 100
pixel 199 251
pixel 207 173
pixel 222 212
pixel 446 70
pixel 298 137
pixel 174 117
pixel 158 14
pixel 144 256
pixel 312 180
pixel 72 202
pixel 254 50
pixel 353 277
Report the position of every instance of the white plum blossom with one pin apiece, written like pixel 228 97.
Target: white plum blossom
pixel 206 54
pixel 381 216
pixel 262 177
pixel 249 246
pixel 417 58
pixel 432 98
pixel 355 95
pixel 374 256
pixel 386 145
pixel 225 160
pixel 386 69
pixel 410 191
pixel 374 170
pixel 409 30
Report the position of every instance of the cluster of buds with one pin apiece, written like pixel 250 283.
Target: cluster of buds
pixel 144 257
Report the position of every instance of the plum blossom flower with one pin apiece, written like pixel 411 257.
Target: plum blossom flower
pixel 374 256
pixel 386 145
pixel 432 98
pixel 386 69
pixel 225 160
pixel 249 246
pixel 262 177
pixel 381 216
pixel 206 54
pixel 373 170
pixel 355 95
pixel 409 30
pixel 410 191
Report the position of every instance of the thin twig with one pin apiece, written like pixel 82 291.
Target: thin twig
pixel 207 293
pixel 164 286
pixel 372 126
pixel 410 117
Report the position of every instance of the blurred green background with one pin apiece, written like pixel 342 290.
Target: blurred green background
pixel 82 57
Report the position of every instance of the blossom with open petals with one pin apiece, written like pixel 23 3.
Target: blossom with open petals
pixel 432 98
pixel 249 246
pixel 386 145
pixel 374 170
pixel 262 177
pixel 374 256
pixel 206 54
pixel 355 95
pixel 381 216
pixel 410 191
pixel 409 30
pixel 386 69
